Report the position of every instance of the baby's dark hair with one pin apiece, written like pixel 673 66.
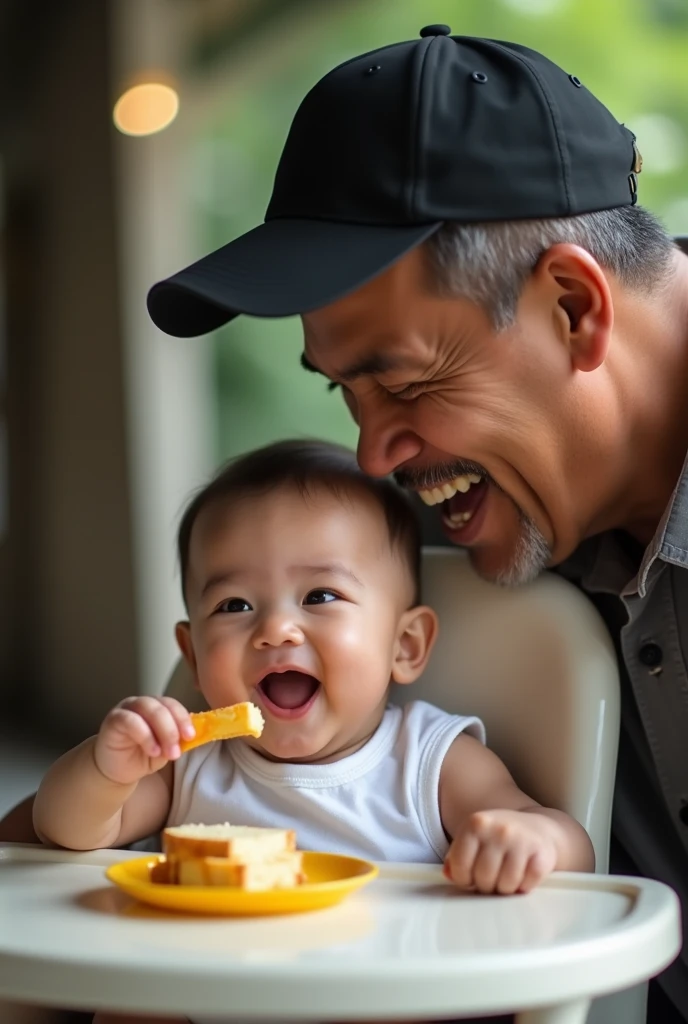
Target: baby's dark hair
pixel 305 465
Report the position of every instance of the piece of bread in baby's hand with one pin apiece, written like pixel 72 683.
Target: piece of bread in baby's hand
pixel 241 844
pixel 243 719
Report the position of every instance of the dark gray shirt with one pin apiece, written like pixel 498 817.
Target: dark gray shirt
pixel 645 607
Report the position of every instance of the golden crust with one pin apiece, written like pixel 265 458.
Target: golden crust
pixel 283 871
pixel 161 872
pixel 227 723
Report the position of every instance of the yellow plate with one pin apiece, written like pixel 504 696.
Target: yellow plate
pixel 330 876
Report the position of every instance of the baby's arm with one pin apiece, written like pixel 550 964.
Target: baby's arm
pixel 115 787
pixel 502 840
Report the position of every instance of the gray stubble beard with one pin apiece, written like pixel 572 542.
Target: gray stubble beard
pixel 530 558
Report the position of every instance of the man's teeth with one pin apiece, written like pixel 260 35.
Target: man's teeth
pixel 457 520
pixel 463 483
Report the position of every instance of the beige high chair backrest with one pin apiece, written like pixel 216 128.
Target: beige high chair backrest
pixel 537 664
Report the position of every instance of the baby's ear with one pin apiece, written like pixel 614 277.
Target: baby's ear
pixel 182 632
pixel 415 638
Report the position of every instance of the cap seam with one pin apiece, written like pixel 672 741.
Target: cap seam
pixel 360 56
pixel 416 147
pixel 563 156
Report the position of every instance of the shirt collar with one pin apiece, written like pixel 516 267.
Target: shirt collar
pixel 670 542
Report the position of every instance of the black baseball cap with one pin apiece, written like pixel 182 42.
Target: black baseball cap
pixel 388 146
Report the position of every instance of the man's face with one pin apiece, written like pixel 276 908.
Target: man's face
pixel 482 423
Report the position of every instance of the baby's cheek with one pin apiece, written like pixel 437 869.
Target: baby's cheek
pixel 219 667
pixel 352 639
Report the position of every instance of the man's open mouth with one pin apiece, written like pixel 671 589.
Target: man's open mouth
pixel 288 694
pixel 460 498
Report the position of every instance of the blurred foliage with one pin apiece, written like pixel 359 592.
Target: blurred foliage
pixel 630 53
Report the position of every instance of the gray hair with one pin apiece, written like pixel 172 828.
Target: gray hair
pixel 489 263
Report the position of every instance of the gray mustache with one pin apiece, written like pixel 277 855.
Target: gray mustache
pixel 434 476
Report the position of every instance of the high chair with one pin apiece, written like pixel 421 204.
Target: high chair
pixel 537 664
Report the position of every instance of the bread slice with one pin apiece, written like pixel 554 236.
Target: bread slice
pixel 162 872
pixel 225 724
pixel 239 843
pixel 282 872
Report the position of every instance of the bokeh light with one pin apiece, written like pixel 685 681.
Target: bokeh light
pixel 146 108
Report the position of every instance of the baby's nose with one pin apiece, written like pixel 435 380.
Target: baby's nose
pixel 276 629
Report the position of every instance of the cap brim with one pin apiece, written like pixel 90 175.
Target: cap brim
pixel 283 267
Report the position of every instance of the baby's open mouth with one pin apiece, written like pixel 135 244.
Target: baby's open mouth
pixel 288 690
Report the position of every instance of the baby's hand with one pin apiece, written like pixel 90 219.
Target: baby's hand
pixel 502 851
pixel 139 736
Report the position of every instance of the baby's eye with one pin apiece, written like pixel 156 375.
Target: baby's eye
pixel 320 597
pixel 234 604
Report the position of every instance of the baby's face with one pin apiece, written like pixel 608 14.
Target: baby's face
pixel 298 603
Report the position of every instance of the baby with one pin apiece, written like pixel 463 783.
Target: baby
pixel 300 577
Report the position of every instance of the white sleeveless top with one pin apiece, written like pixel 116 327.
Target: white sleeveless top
pixel 380 803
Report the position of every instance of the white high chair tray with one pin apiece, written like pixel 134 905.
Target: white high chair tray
pixel 407 946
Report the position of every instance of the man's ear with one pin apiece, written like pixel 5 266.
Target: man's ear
pixel 417 633
pixel 182 632
pixel 584 309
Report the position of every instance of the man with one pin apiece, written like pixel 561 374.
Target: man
pixel 455 219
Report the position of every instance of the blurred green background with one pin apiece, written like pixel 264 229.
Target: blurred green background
pixel 633 54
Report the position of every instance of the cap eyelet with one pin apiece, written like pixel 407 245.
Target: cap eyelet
pixel 373 70
pixel 575 81
pixel 478 76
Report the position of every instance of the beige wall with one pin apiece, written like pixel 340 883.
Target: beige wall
pixel 169 381
pixel 69 639
pixel 110 420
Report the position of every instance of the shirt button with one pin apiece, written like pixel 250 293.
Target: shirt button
pixel 650 655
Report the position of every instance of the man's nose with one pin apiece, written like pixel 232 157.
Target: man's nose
pixel 385 441
pixel 277 627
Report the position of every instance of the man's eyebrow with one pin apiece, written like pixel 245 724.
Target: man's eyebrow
pixel 366 366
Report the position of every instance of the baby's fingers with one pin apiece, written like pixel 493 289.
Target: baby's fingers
pixel 133 728
pixel 512 872
pixel 181 717
pixel 160 721
pixel 488 867
pixel 458 864
pixel 539 865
